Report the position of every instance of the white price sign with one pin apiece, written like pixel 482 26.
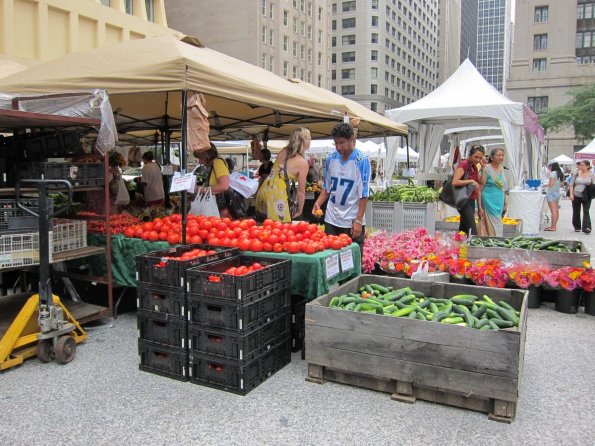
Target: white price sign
pixel 183 182
pixel 346 260
pixel 332 266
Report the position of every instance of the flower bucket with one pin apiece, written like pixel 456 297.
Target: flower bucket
pixel 534 296
pixel 567 301
pixel 548 294
pixel 589 298
pixel 461 280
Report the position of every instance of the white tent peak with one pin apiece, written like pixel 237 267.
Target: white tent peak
pixel 465 93
pixel 589 148
pixel 562 159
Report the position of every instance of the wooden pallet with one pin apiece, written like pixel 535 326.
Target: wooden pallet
pixel 477 370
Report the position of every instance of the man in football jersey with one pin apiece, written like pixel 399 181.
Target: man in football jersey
pixel 345 185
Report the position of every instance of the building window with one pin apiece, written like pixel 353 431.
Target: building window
pixel 333 41
pixel 333 74
pixel 375 21
pixel 302 74
pixel 348 23
pixel 319 59
pixel 302 28
pixel 272 63
pixel 334 58
pixel 538 103
pixel 294 72
pixel 348 6
pixel 585 39
pixel 333 8
pixel 540 42
pixel 264 35
pixel 541 14
pixel 374 55
pixel 271 37
pixel 271 10
pixel 285 68
pixel 285 17
pixel 348 90
pixel 105 2
pixel 294 49
pixel 320 14
pixel 375 4
pixel 585 11
pixel 309 55
pixel 334 25
pixel 348 57
pixel 263 61
pixel 309 9
pixel 309 32
pixel 319 84
pixel 302 52
pixel 348 73
pixel 374 106
pixel 295 25
pixel 373 89
pixel 374 38
pixel 540 64
pixel 128 6
pixel 263 7
pixel 374 73
pixel 285 43
pixel 348 40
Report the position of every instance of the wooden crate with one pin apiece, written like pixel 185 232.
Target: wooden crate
pixel 509 230
pixel 552 258
pixel 460 366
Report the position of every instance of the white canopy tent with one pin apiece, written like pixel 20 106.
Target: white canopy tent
pixel 587 153
pixel 401 155
pixel 562 159
pixel 465 100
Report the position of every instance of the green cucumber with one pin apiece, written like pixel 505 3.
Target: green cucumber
pixel 440 315
pixel 349 306
pixel 460 301
pixel 493 314
pixel 424 304
pixel 334 301
pixel 481 323
pixel 433 307
pixel 347 300
pixel 501 323
pixel 506 305
pixel 407 299
pixel 453 320
pixel 379 288
pixel 418 294
pixel 480 311
pixel 485 327
pixel 404 311
pixel 412 315
pixel 508 315
pixel 421 316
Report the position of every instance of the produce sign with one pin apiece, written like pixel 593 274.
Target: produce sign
pixel 406 193
pixel 466 310
pixel 118 223
pixel 521 242
pixel 243 234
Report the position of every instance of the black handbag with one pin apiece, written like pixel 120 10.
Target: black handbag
pixel 456 196
pixel 590 191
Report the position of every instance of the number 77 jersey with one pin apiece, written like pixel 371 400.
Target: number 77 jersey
pixel 346 182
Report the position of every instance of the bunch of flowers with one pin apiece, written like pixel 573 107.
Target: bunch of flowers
pixel 565 278
pixel 587 280
pixel 488 272
pixel 458 267
pixel 524 275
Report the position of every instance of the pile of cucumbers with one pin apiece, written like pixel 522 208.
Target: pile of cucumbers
pixel 409 193
pixel 466 310
pixel 521 242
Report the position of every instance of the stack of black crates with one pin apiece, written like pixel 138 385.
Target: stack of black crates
pixel 239 330
pixel 298 324
pixel 162 308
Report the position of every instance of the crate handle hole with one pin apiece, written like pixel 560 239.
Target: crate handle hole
pixel 214 338
pixel 212 308
pixel 217 367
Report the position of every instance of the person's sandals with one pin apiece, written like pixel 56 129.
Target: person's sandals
pixel 550 229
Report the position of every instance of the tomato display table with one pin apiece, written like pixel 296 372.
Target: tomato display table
pixel 308 271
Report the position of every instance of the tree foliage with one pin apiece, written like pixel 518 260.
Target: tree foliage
pixel 579 114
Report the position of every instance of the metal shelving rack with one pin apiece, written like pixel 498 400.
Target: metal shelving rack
pixel 12 119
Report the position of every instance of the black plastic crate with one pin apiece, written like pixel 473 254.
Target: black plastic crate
pixel 231 315
pixel 163 360
pixel 239 345
pixel 162 328
pixel 298 310
pixel 161 299
pixel 60 145
pixel 153 267
pixel 14 219
pixel 79 174
pixel 210 280
pixel 238 376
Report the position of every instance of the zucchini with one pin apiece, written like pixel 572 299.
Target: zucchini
pixel 379 288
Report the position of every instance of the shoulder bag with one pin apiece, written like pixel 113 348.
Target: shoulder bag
pixel 291 192
pixel 231 200
pixel 456 196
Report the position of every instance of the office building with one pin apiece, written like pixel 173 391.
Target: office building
pixel 548 62
pixel 287 37
pixel 449 38
pixel 494 37
pixel 384 53
pixel 468 30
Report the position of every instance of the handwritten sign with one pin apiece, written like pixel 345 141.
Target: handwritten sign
pixel 346 260
pixel 332 266
pixel 183 182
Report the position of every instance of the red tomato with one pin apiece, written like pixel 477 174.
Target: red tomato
pixel 256 266
pixel 221 226
pixel 214 241
pixel 147 226
pixel 310 248
pixel 256 245
pixel 241 270
pixel 244 244
pixel 266 246
pixel 268 222
pixel 153 236
pixel 163 236
pixel 203 234
pixel 277 247
pixel 129 232
pixel 172 239
pixel 336 244
pixel 196 239
pixel 293 247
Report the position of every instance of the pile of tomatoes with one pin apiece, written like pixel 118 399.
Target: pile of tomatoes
pixel 118 223
pixel 242 270
pixel 189 255
pixel 243 234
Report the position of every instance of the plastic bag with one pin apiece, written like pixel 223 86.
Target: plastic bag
pixel 422 272
pixel 123 197
pixel 205 204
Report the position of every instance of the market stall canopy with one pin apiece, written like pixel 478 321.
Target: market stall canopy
pixel 465 99
pixel 587 153
pixel 401 155
pixel 562 159
pixel 145 78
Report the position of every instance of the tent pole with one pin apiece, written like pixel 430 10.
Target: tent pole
pixel 183 159
pixel 407 150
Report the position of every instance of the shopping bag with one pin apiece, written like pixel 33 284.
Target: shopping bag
pixel 123 197
pixel 454 196
pixel 242 184
pixel 422 272
pixel 205 204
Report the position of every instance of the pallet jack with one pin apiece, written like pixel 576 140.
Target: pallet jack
pixel 43 327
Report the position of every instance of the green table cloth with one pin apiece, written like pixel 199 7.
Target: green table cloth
pixel 124 252
pixel 308 271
